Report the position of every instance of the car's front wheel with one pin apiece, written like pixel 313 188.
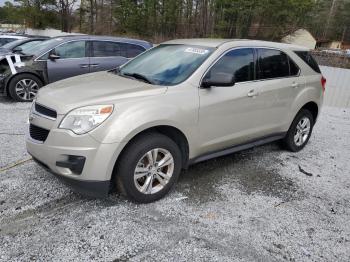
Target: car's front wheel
pixel 148 168
pixel 300 131
pixel 24 87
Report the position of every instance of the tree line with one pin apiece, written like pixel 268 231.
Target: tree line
pixel 157 20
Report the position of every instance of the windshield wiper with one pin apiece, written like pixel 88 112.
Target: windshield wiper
pixel 139 76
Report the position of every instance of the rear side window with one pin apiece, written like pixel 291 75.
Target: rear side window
pixel 308 59
pixel 238 63
pixel 272 64
pixel 106 49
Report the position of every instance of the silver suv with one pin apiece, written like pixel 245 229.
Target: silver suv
pixel 179 103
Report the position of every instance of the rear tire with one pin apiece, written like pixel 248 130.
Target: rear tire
pixel 24 87
pixel 148 168
pixel 300 131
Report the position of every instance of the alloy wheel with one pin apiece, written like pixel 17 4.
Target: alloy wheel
pixel 302 131
pixel 27 89
pixel 153 171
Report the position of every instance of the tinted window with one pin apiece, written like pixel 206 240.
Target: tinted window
pixel 133 50
pixel 272 64
pixel 308 59
pixel 105 49
pixel 74 49
pixel 294 69
pixel 237 63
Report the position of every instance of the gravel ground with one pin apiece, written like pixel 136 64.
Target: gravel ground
pixel 263 204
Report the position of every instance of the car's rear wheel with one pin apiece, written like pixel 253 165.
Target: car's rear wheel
pixel 24 87
pixel 300 131
pixel 148 168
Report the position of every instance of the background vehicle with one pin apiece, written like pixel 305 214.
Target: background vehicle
pixel 4 39
pixel 63 57
pixel 21 45
pixel 180 103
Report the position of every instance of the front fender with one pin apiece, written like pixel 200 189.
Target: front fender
pixel 136 115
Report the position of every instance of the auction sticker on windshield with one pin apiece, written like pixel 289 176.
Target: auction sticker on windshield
pixel 198 51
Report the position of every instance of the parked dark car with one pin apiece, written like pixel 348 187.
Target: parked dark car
pixel 63 57
pixel 21 45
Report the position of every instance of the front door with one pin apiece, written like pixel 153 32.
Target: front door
pixel 70 60
pixel 230 115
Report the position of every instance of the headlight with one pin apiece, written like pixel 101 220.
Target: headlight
pixel 85 119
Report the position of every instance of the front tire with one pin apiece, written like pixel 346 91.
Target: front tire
pixel 300 131
pixel 148 168
pixel 24 87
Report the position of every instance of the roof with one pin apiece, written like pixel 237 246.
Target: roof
pixel 209 42
pixel 100 37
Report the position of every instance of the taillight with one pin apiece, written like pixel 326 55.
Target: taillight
pixel 323 83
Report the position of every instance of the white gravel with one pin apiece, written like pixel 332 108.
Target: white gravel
pixel 251 206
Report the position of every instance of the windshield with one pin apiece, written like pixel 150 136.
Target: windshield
pixel 24 45
pixel 38 48
pixel 166 64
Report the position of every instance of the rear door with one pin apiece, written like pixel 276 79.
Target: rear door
pixel 279 82
pixel 73 60
pixel 106 55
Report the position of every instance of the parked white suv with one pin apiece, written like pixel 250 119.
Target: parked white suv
pixel 179 103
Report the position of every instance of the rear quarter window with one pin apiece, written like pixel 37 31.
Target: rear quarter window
pixel 308 59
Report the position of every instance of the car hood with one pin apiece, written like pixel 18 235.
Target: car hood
pixel 94 88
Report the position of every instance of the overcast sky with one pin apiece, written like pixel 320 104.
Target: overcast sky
pixel 3 1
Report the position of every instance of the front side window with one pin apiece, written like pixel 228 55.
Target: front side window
pixel 166 64
pixel 74 49
pixel 237 64
pixel 105 49
pixel 272 64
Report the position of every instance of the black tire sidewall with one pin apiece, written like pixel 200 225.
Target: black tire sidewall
pixel 13 82
pixel 130 157
pixel 289 139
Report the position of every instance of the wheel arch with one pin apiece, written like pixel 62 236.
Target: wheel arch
pixel 172 132
pixel 313 108
pixel 18 74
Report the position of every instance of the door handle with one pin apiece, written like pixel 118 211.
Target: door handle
pixel 84 65
pixel 252 93
pixel 295 85
pixel 95 65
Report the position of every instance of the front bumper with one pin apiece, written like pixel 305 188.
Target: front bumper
pixel 93 177
pixel 98 189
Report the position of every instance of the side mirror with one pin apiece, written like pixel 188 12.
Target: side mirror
pixel 17 49
pixel 218 79
pixel 53 56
